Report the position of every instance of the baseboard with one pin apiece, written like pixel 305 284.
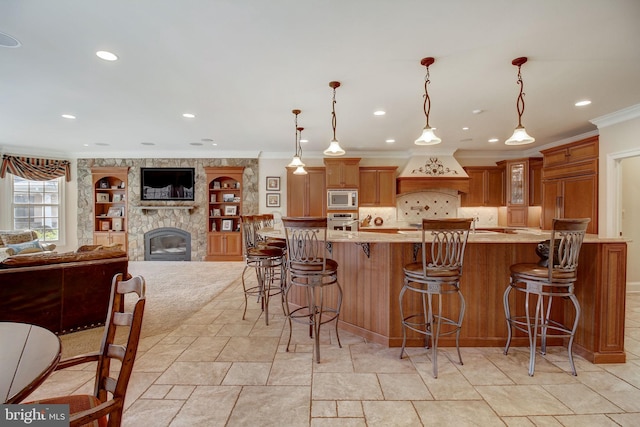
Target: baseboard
pixel 633 287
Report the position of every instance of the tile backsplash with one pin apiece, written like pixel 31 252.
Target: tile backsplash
pixel 414 207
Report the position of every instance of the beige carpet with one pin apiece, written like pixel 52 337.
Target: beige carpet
pixel 175 290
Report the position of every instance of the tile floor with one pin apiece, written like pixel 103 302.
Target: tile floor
pixel 219 370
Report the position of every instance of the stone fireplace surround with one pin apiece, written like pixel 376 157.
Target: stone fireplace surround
pixel 141 221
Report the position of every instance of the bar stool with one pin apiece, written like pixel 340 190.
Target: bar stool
pixel 268 263
pixel 555 280
pixel 310 270
pixel 438 274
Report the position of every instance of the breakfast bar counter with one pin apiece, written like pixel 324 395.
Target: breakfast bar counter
pixel 371 274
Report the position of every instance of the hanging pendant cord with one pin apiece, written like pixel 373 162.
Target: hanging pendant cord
pixel 520 100
pixel 334 121
pixel 427 99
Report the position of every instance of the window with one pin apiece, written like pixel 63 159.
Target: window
pixel 36 206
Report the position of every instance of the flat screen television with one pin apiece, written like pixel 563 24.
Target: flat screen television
pixel 167 183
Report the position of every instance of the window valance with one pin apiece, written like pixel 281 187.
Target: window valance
pixel 35 169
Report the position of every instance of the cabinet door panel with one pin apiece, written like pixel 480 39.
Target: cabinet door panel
pixel 476 194
pixel 386 188
pixel 579 196
pixel 368 188
pixel 317 194
pixel 551 192
pixel 495 188
pixel 296 194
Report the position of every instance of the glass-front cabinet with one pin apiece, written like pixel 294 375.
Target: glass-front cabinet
pixel 523 189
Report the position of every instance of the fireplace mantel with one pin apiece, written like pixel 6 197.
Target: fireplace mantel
pixel 145 209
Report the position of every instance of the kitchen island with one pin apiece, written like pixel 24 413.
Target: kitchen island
pixel 371 275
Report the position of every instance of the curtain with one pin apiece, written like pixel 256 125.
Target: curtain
pixel 35 169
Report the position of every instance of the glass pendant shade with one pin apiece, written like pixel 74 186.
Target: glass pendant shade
pixel 334 149
pixel 520 137
pixel 295 162
pixel 300 171
pixel 428 137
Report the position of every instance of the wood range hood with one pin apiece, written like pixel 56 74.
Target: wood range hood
pixel 414 184
pixel 432 172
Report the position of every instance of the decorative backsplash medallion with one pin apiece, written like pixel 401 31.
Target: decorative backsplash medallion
pixel 414 207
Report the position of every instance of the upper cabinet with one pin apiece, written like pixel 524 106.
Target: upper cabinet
pixel 307 194
pixel 110 205
pixel 377 186
pixel 486 186
pixel 342 173
pixel 570 183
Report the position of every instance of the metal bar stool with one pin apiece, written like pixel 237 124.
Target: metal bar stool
pixel 268 263
pixel 550 278
pixel 309 269
pixel 438 274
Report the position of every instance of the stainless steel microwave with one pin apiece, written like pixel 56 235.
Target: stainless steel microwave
pixel 342 199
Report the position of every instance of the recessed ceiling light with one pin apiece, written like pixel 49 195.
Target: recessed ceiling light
pixel 494 140
pixel 477 111
pixel 188 115
pixel 9 41
pixel 390 141
pixel 465 128
pixel 582 103
pixel 68 116
pixel 102 144
pixel 304 140
pixel 86 145
pixel 379 113
pixel 196 143
pixel 148 143
pixel 215 144
pixel 107 56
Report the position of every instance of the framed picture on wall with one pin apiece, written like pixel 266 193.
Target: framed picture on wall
pixel 273 200
pixel 227 224
pixel 273 183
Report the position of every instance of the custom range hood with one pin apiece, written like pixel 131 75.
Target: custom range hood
pixel 432 171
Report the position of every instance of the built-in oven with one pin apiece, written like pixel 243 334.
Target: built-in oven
pixel 343 221
pixel 344 200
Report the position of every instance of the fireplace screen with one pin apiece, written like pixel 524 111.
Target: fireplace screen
pixel 167 244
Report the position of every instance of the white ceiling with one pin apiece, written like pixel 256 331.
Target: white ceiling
pixel 242 65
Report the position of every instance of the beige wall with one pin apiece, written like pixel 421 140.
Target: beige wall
pixel 630 213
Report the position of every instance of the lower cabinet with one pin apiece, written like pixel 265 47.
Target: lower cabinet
pixel 107 238
pixel 224 246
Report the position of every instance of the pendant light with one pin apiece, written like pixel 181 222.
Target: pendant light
pixel 520 135
pixel 296 162
pixel 334 147
pixel 300 170
pixel 428 137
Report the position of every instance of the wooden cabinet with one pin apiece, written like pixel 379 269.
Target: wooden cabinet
pixel 570 183
pixel 486 186
pixel 378 186
pixel 307 194
pixel 224 238
pixel 110 205
pixel 342 173
pixel 520 186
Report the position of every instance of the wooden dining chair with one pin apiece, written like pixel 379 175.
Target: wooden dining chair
pixel 105 406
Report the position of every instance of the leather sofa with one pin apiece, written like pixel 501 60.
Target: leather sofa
pixel 62 292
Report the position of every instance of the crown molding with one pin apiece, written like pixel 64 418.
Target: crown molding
pixel 619 116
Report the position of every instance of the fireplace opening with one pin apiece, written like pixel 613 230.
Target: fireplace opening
pixel 167 244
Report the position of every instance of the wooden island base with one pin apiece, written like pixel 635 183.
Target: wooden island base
pixel 372 283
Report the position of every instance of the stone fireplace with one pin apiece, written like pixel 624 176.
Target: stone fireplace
pixel 167 244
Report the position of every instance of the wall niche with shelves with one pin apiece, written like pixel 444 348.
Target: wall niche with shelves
pixel 110 205
pixel 224 236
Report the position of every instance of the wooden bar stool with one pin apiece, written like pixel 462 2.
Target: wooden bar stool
pixel 555 280
pixel 268 264
pixel 438 274
pixel 309 269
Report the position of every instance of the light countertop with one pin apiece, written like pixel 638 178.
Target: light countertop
pixel 525 235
